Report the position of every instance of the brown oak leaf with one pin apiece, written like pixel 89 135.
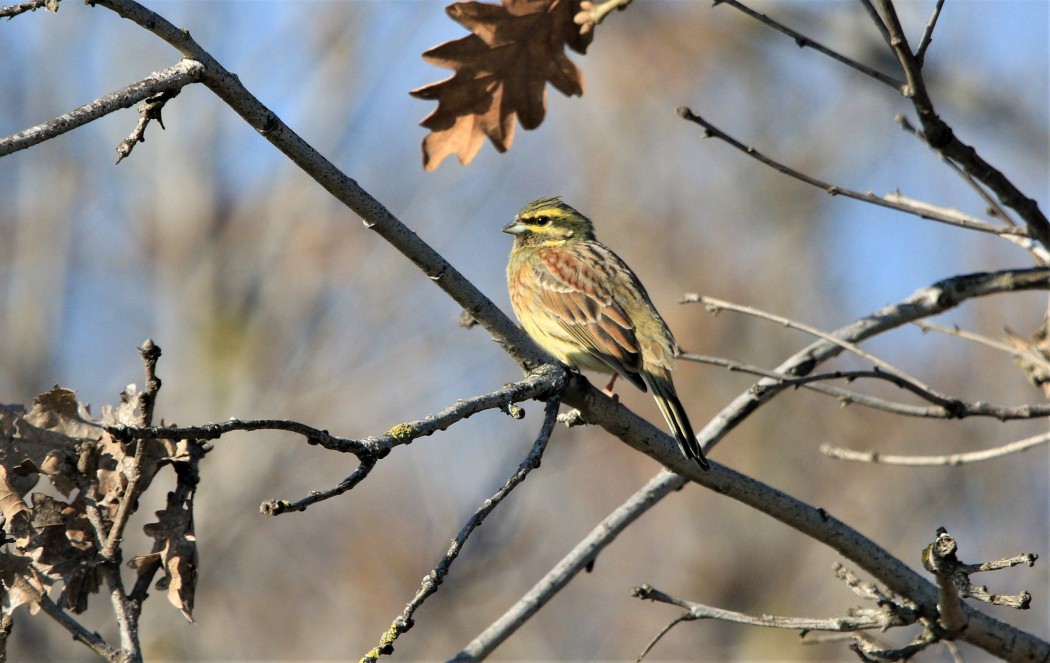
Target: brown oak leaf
pixel 502 70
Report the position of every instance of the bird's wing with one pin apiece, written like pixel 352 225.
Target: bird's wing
pixel 572 291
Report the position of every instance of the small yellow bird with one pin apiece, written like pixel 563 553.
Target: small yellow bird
pixel 581 303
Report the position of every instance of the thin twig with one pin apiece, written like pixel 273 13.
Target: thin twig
pixel 538 384
pixel 911 383
pixel 172 78
pixel 939 134
pixel 931 461
pixel 924 211
pixel 939 559
pixel 659 636
pixel 10 11
pixel 93 640
pixel 880 25
pixel 803 41
pixel 581 556
pixel 433 580
pixel 277 507
pixel 959 409
pixel 697 611
pixel 927 35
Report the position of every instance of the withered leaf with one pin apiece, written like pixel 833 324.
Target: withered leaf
pixel 502 70
pixel 177 548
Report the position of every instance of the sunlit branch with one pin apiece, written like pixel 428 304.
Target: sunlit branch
pixel 694 611
pixel 803 41
pixel 932 461
pixel 924 211
pixel 926 302
pixel 904 380
pixel 538 384
pixel 958 409
pixel 10 11
pixel 167 80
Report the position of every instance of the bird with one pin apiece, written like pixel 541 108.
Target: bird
pixel 582 304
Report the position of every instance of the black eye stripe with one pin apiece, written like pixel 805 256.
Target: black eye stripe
pixel 541 220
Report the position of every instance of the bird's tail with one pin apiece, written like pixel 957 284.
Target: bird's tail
pixel 667 399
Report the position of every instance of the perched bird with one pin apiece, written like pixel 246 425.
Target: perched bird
pixel 581 303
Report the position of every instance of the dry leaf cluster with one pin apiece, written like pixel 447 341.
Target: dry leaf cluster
pixel 60 531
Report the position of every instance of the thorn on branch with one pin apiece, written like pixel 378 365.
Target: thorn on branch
pixel 150 109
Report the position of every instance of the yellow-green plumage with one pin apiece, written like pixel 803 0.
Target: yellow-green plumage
pixel 581 303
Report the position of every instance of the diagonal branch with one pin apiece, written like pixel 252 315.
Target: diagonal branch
pixel 941 137
pixel 803 41
pixel 376 217
pixel 578 559
pixel 927 35
pixel 433 580
pixel 925 211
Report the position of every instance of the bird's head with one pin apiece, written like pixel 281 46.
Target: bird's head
pixel 549 221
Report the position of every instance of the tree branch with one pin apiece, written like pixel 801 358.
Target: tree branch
pixel 925 302
pixel 803 41
pixel 10 11
pixel 925 211
pixel 167 80
pixel 433 580
pixel 927 35
pixel 928 461
pixel 579 558
pixel 955 409
pixel 940 136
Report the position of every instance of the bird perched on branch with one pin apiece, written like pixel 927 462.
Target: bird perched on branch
pixel 581 303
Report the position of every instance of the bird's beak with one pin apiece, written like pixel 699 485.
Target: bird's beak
pixel 515 227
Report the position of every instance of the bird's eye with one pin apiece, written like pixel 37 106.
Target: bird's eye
pixel 541 220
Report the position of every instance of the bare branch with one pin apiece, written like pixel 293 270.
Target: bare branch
pixel 581 556
pixel 927 326
pixel 904 380
pixel 433 580
pixel 168 80
pixel 150 109
pixel 276 507
pixel 939 559
pixel 939 134
pixel 538 384
pixel 924 211
pixel 927 35
pixel 877 20
pixel 591 13
pixel 10 11
pixel 803 41
pixel 376 217
pixel 840 624
pixel 933 300
pixel 93 640
pixel 929 461
pixel 958 409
